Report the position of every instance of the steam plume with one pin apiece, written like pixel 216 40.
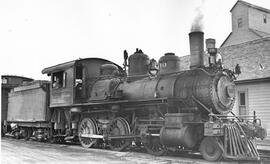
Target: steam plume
pixel 197 24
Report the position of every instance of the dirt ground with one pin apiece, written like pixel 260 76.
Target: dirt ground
pixel 21 151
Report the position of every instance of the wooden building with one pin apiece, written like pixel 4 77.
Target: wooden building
pixel 249 22
pixel 249 46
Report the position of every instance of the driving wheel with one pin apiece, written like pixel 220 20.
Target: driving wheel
pixel 119 127
pixel 87 127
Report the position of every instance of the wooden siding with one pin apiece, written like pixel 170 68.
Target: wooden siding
pixel 258 99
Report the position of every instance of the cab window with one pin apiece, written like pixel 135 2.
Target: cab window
pixel 59 80
pixel 79 82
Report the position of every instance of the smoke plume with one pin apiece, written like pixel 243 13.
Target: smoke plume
pixel 197 24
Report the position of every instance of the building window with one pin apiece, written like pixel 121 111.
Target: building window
pixel 79 82
pixel 242 102
pixel 59 80
pixel 240 22
pixel 242 98
pixel 264 18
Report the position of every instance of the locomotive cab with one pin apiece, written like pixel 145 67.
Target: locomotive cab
pixel 71 82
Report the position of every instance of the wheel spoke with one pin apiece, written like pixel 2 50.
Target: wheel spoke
pixel 87 126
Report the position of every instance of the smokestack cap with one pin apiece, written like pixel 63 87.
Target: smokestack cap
pixel 196 32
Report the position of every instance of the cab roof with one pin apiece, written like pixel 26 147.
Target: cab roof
pixel 64 66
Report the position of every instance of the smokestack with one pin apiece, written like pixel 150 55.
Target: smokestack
pixel 196 42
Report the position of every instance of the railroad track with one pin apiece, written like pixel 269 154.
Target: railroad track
pixel 264 155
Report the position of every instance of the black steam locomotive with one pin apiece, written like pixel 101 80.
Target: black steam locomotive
pixel 154 105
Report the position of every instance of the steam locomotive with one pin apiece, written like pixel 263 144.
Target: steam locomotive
pixel 153 105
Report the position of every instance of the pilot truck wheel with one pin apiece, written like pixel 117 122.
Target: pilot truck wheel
pixel 210 149
pixel 153 146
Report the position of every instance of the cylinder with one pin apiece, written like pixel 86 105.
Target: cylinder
pixel 196 42
pixel 185 136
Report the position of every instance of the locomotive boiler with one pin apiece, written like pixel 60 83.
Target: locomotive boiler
pixel 149 104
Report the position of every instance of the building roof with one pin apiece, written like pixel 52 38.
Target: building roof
pixel 250 5
pixel 226 39
pixel 258 80
pixel 259 34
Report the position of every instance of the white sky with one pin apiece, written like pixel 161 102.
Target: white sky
pixel 35 34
